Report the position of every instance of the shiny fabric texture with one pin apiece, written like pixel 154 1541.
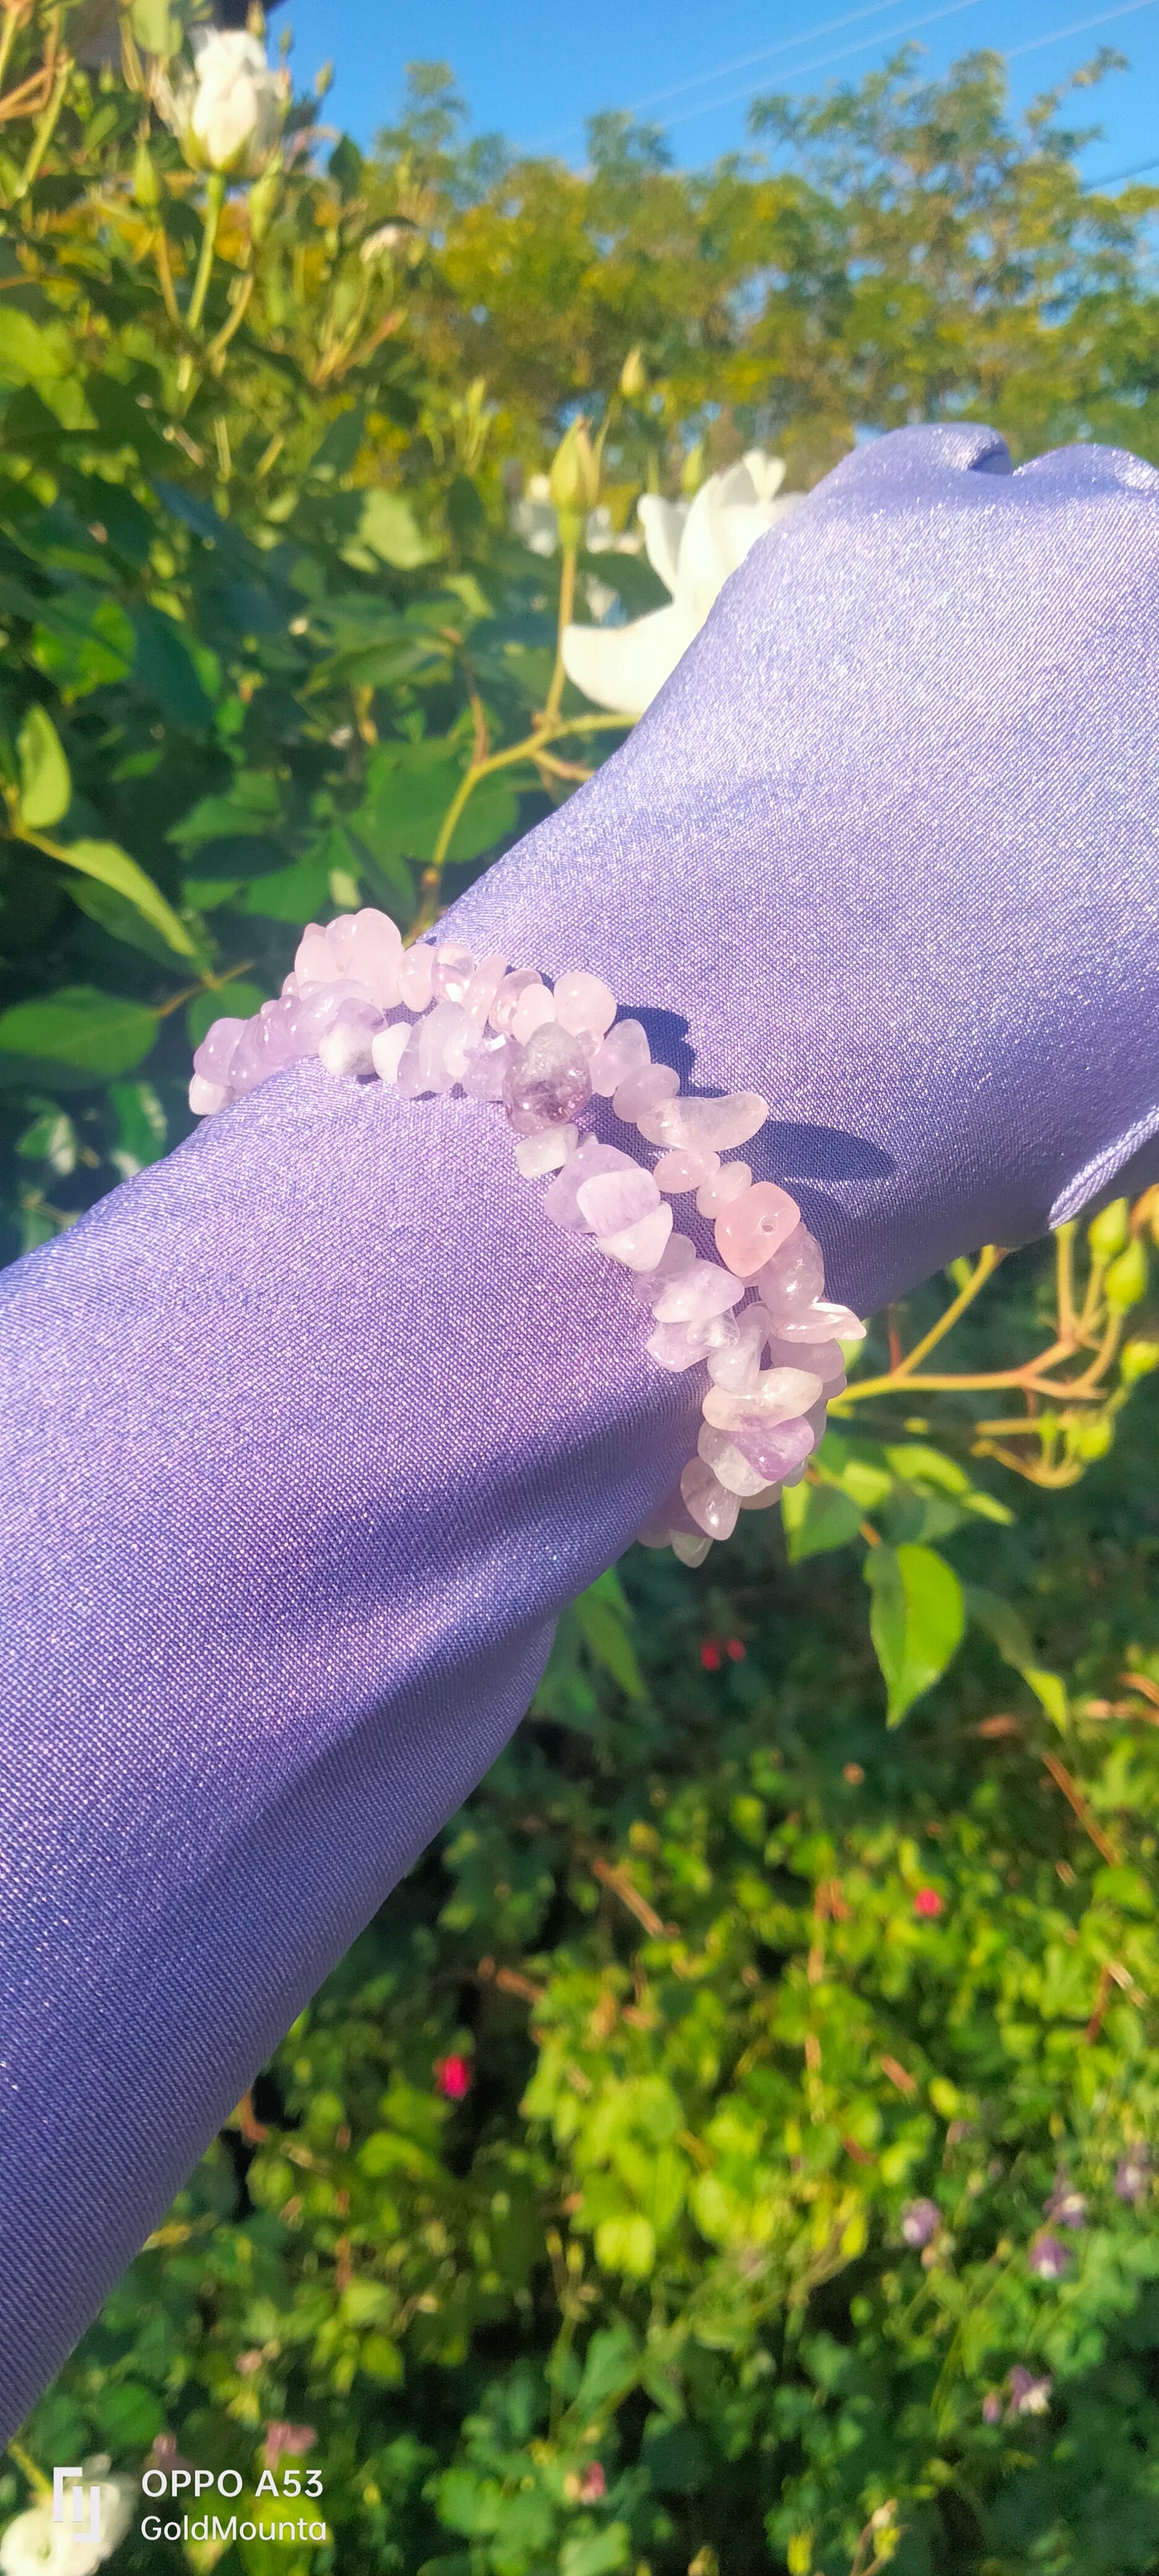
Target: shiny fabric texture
pixel 310 1431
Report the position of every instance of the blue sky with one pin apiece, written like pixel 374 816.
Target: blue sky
pixel 536 68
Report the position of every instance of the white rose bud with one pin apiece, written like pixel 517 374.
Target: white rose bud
pixel 227 113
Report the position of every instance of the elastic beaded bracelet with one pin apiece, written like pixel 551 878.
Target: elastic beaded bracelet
pixel 435 1019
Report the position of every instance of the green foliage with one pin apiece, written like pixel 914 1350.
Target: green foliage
pixel 666 2170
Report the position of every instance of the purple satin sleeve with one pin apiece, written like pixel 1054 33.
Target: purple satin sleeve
pixel 312 1429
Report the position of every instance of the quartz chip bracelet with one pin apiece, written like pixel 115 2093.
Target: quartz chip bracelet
pixel 436 1019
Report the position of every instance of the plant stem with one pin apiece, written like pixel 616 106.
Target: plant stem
pixel 548 730
pixel 987 1263
pixel 214 201
pixel 7 40
pixel 217 348
pixel 46 128
pixel 165 275
pixel 566 607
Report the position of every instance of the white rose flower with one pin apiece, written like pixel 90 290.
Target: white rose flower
pixel 35 2545
pixel 227 113
pixel 694 548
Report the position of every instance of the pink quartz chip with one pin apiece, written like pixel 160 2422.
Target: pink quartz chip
pixel 452 971
pixel 206 1098
pixel 729 1464
pixel 484 985
pixel 509 993
pixel 716 1124
pixel 685 1169
pixel 545 1152
pixel 535 1009
pixel 639 1246
pixel 679 1254
pixel 584 1002
pixel 729 1182
pixel 777 1396
pixel 701 1291
pixel 561 1201
pixel 624 1051
pixel 414 981
pixel 752 1227
pixel 610 1200
pixel 644 1091
pixel 773 1449
pixel 386 1050
pixel 714 1511
pixel 367 946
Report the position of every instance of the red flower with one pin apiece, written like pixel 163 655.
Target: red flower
pixel 297 2439
pixel 710 1656
pixel 593 2484
pixel 453 2077
pixel 928 1902
pixel 734 1650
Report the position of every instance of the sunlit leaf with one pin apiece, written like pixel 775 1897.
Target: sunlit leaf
pixel 916 1620
pixel 45 781
pixel 79 1032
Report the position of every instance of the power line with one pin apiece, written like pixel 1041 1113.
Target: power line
pixel 1078 27
pixel 821 62
pixel 1110 177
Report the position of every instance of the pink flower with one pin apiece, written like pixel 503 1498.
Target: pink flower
pixel 1029 2393
pixel 1133 2175
pixel 1068 2208
pixel 920 2220
pixel 992 2408
pixel 247 2363
pixel 1049 2258
pixel 593 2484
pixel 453 2077
pixel 928 1903
pixel 292 2438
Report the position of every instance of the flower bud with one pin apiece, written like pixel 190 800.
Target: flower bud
pixel 1107 1232
pixel 633 376
pixel 146 185
pixel 574 482
pixel 1126 1280
pixel 264 197
pixel 229 112
pixel 1091 1439
pixel 1137 1359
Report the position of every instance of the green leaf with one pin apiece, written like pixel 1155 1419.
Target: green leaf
pixel 33 353
pixel 916 1620
pixel 84 641
pixel 299 893
pixel 491 814
pixel 236 1001
pixel 51 1138
pixel 79 1031
pixel 120 919
pixel 142 1133
pixel 250 807
pixel 166 671
pixel 604 1620
pixel 611 2368
pixel 596 2553
pixel 1009 1632
pixel 817 1518
pixel 387 529
pixel 113 867
pixel 408 789
pixel 45 781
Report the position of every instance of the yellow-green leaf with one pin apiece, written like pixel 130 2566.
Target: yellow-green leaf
pixel 916 1621
pixel 45 783
pixel 113 867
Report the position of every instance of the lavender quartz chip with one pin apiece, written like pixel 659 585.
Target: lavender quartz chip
pixel 549 1084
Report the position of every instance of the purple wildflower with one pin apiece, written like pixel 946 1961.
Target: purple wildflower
pixel 992 2407
pixel 1133 2175
pixel 920 2220
pixel 1029 2392
pixel 1067 2207
pixel 1049 2258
